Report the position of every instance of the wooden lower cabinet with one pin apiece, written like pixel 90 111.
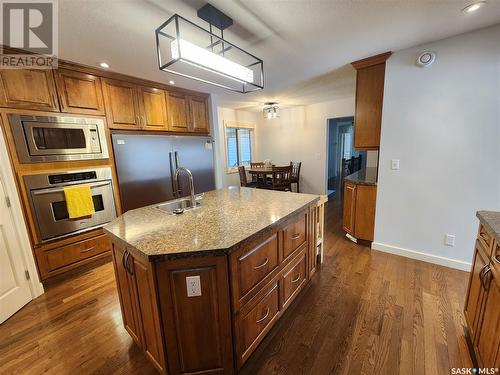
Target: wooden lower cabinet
pixel 216 330
pixel 135 281
pixel 359 210
pixel 482 305
pixel 54 261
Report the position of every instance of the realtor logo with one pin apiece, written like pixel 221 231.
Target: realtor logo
pixel 31 27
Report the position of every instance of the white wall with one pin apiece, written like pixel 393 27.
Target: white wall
pixel 227 114
pixel 443 123
pixel 300 134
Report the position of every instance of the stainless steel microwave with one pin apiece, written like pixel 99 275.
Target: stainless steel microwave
pixel 58 138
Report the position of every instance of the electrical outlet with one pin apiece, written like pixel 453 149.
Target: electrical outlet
pixel 395 164
pixel 449 240
pixel 193 285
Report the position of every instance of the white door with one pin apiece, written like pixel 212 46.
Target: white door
pixel 14 287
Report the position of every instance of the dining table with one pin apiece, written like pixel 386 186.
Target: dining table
pixel 262 172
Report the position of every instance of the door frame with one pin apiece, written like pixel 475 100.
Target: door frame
pixel 9 184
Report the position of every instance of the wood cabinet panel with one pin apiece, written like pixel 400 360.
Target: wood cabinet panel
pixel 197 329
pixel 121 101
pixel 312 258
pixel 127 293
pixel 369 99
pixel 79 92
pixel 476 292
pixel 199 114
pixel 153 107
pixel 294 235
pixel 28 89
pixel 488 342
pixel 252 324
pixel 349 213
pixel 364 220
pixel 252 265
pixel 57 260
pixel 178 112
pixel 293 278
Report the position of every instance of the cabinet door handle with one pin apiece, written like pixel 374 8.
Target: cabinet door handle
pixel 87 250
pixel 127 263
pixel 261 265
pixel 296 279
pixel 482 275
pixel 497 258
pixel 484 237
pixel 124 258
pixel 264 317
pixel 295 236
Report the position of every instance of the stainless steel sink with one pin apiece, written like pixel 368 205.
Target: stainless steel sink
pixel 177 207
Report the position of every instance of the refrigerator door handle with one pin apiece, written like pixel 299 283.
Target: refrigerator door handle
pixel 179 187
pixel 174 190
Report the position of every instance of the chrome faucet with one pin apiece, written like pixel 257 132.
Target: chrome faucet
pixel 191 183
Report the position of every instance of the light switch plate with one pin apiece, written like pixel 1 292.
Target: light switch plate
pixel 193 285
pixel 395 164
pixel 449 240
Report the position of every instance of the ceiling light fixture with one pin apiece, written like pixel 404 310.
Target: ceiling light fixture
pixel 104 65
pixel 271 110
pixel 473 7
pixel 171 82
pixel 189 50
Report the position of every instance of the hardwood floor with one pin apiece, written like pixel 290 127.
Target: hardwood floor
pixel 365 312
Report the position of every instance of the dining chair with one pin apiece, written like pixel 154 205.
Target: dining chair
pixel 282 178
pixel 243 178
pixel 295 176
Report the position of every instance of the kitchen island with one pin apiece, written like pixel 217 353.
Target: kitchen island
pixel 200 290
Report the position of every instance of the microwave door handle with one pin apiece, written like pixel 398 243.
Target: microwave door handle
pixel 54 190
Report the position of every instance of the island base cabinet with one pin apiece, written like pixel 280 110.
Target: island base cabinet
pixel 196 326
pixel 141 317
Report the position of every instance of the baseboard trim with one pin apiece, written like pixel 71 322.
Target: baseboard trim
pixel 425 257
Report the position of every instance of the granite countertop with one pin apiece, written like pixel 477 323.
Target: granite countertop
pixel 225 218
pixel 491 221
pixel 367 176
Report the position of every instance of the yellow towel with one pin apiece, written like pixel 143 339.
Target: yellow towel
pixel 79 201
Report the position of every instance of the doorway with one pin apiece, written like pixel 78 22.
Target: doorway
pixel 341 152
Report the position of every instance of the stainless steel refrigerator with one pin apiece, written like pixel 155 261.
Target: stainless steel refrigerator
pixel 146 164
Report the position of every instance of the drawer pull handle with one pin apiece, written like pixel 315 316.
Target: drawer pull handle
pixel 295 236
pixel 296 279
pixel 484 237
pixel 87 250
pixel 497 258
pixel 264 317
pixel 261 265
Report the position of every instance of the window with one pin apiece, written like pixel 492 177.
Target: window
pixel 238 147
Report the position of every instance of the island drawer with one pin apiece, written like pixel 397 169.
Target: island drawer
pixel 293 278
pixel 55 259
pixel 294 234
pixel 253 265
pixel 255 320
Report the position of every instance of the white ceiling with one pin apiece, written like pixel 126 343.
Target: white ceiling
pixel 305 44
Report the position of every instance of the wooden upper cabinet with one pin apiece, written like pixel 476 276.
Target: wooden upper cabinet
pixel 199 114
pixel 79 92
pixel 28 89
pixel 178 112
pixel 153 108
pixel 122 105
pixel 369 99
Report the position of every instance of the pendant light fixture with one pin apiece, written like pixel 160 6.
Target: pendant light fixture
pixel 271 110
pixel 189 50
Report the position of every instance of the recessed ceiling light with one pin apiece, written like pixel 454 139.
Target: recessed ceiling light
pixel 104 65
pixel 171 82
pixel 473 7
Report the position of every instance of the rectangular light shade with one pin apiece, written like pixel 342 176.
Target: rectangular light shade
pixel 190 51
pixel 204 58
